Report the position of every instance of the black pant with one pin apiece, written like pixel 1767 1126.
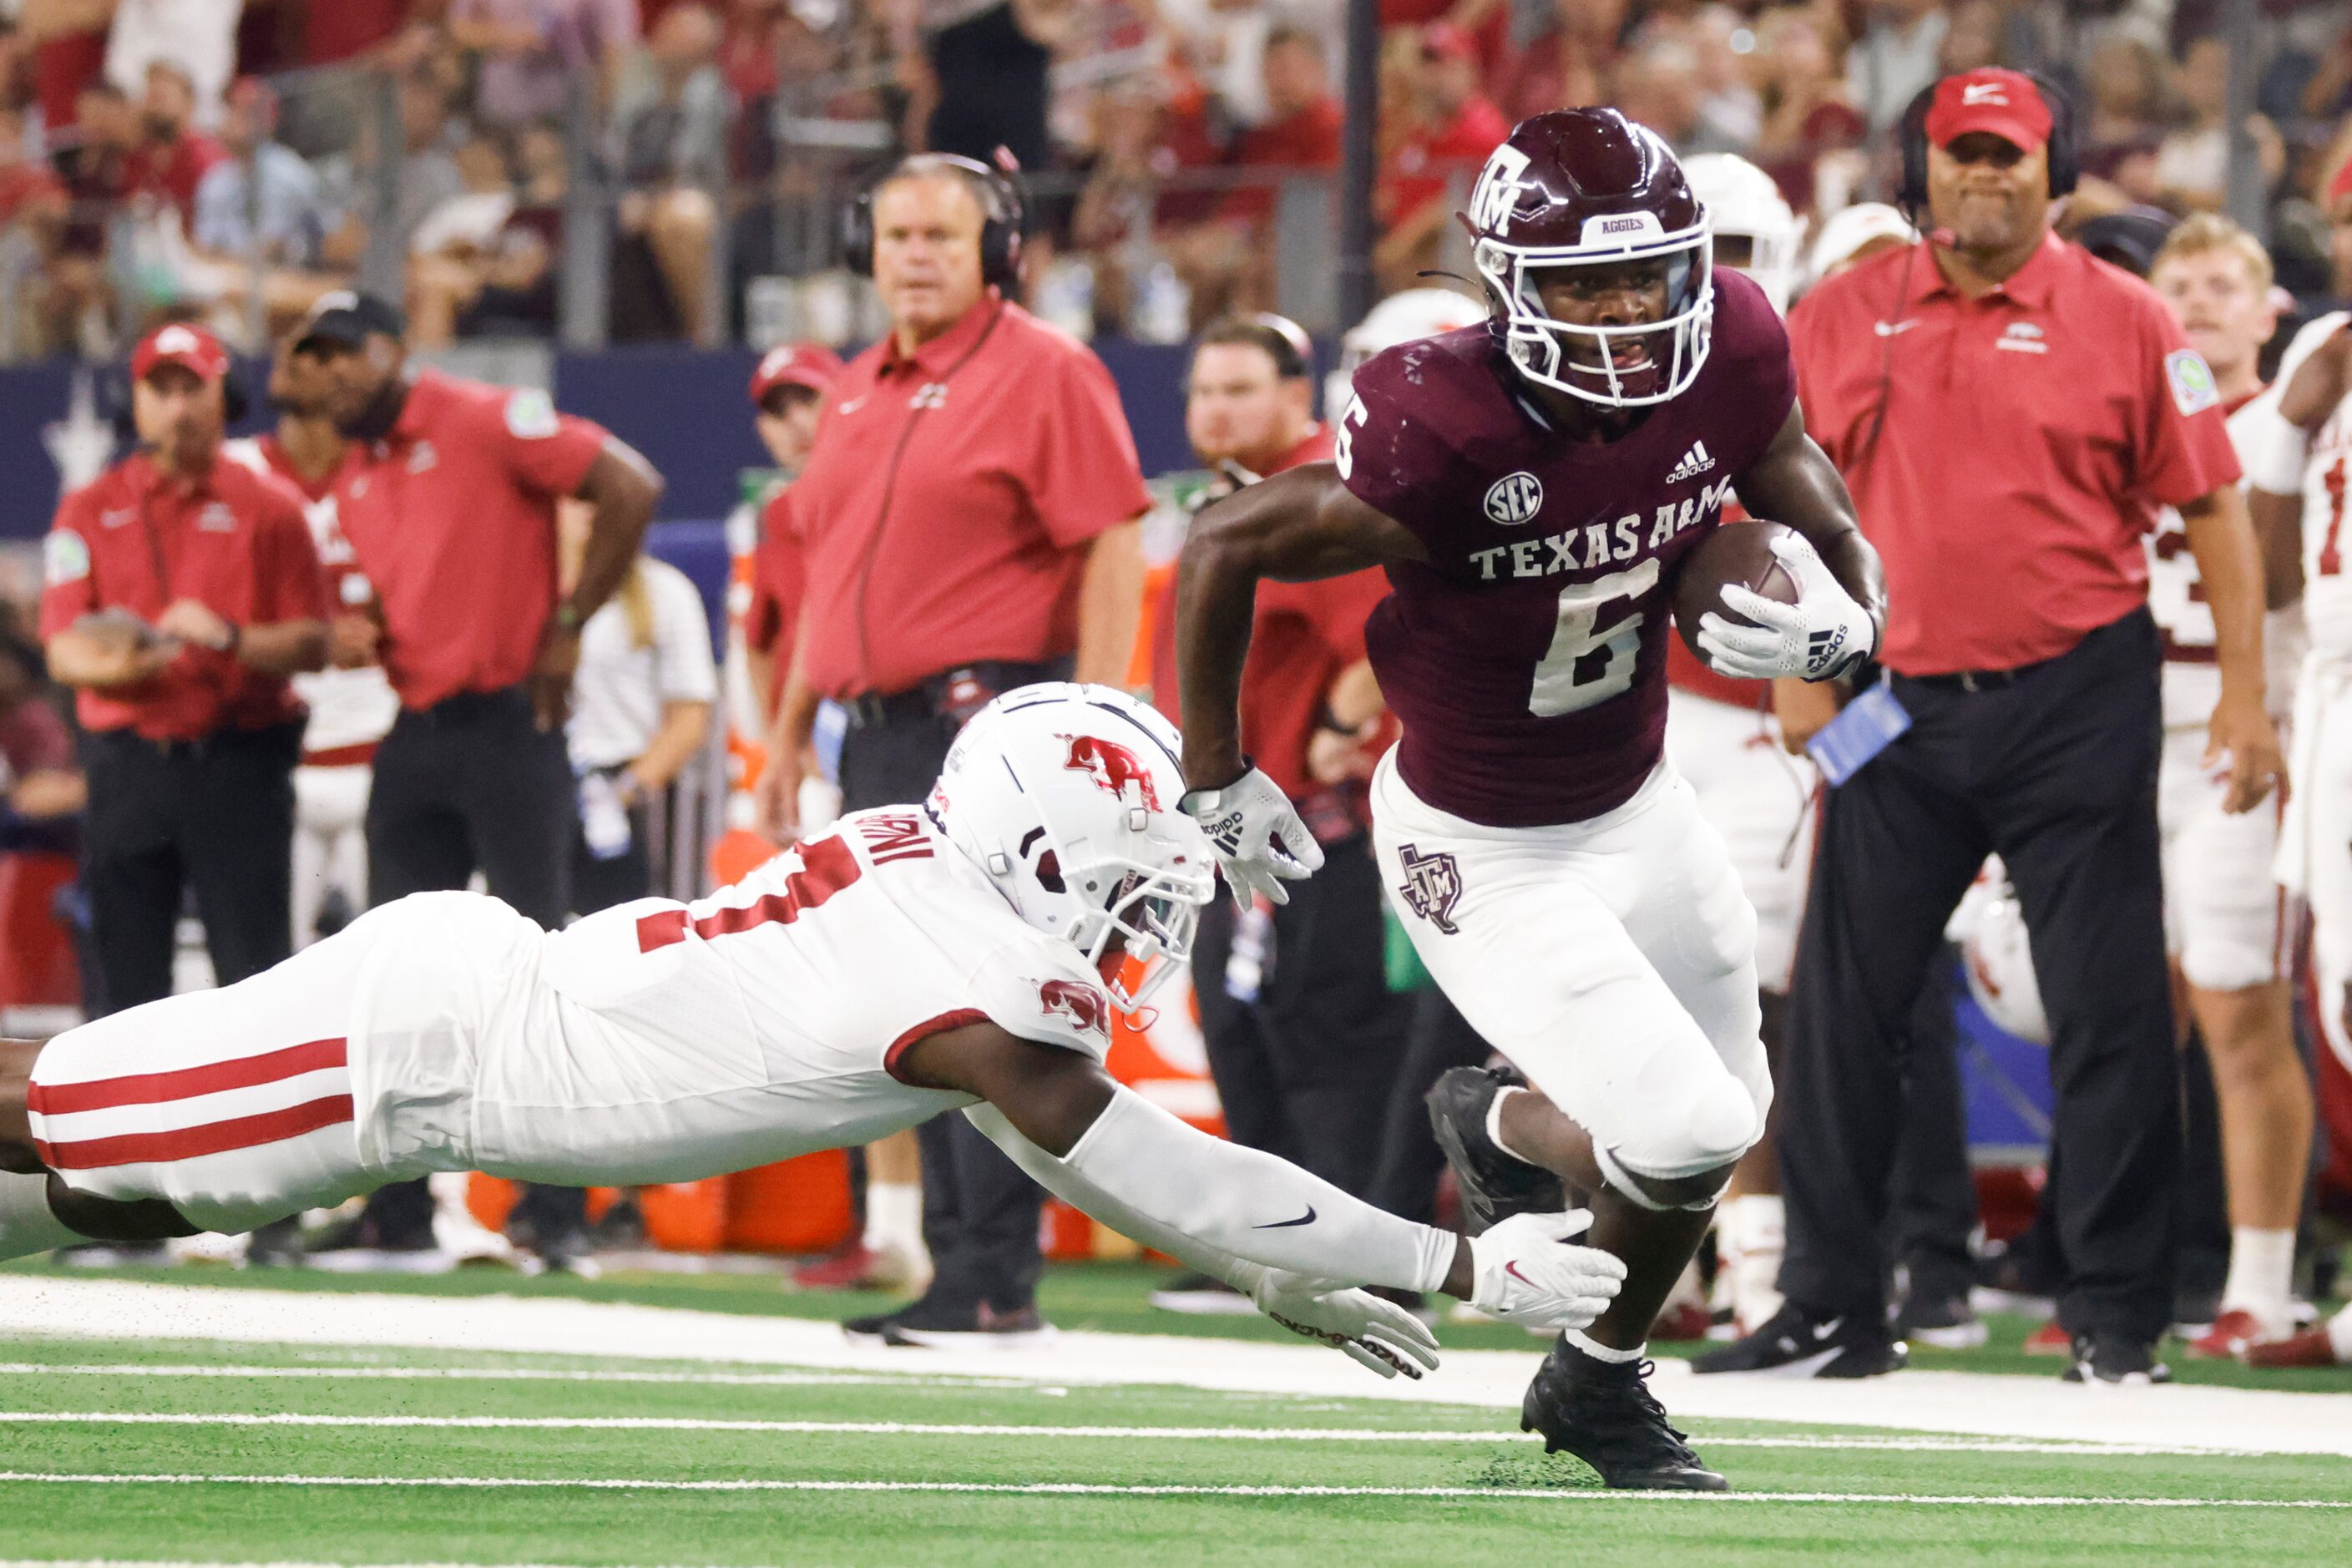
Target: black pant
pixel 1305 1069
pixel 471 784
pixel 2056 771
pixel 216 815
pixel 1934 1197
pixel 980 1212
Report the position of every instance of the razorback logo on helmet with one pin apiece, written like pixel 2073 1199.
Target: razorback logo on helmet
pixel 1112 767
pixel 1081 1005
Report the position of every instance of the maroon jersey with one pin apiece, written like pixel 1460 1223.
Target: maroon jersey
pixel 1528 657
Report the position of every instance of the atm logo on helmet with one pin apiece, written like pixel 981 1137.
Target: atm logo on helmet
pixel 1082 1006
pixel 1112 767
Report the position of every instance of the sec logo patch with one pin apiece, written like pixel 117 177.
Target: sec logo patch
pixel 1514 499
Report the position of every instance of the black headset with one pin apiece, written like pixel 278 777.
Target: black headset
pixel 2065 155
pixel 1003 213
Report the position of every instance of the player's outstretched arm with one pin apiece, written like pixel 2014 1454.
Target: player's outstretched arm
pixel 1299 525
pixel 1292 1241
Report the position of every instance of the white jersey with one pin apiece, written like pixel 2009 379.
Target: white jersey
pixel 348 706
pixel 675 1041
pixel 2176 596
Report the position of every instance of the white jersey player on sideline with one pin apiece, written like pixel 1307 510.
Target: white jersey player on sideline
pixel 915 960
pixel 350 709
pixel 1723 739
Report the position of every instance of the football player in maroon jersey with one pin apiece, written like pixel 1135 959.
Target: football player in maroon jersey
pixel 1530 485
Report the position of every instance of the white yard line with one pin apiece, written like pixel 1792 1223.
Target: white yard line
pixel 1092 1488
pixel 2038 1408
pixel 1014 1429
pixel 499 1374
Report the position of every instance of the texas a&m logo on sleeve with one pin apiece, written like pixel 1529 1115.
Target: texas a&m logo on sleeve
pixel 1079 1005
pixel 1433 885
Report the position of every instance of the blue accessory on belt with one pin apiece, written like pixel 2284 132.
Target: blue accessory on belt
pixel 1867 726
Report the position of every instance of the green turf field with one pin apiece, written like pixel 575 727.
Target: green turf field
pixel 378 1454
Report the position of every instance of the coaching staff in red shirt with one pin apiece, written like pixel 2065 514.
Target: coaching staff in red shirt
pixel 183 588
pixel 450 503
pixel 1304 1039
pixel 968 514
pixel 2009 413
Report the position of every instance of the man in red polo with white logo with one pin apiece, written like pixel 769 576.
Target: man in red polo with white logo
pixel 2009 414
pixel 182 589
pixel 450 503
pixel 969 516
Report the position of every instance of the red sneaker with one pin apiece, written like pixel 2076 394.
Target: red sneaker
pixel 852 1267
pixel 2231 1333
pixel 2050 1340
pixel 2310 1348
pixel 1682 1320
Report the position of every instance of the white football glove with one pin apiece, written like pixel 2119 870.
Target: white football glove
pixel 1257 835
pixel 1373 1332
pixel 1820 635
pixel 1525 1272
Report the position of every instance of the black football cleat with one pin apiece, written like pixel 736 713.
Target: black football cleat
pixel 1603 1413
pixel 2103 1356
pixel 1495 1185
pixel 1800 1341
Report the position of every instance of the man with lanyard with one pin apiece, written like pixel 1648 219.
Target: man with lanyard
pixel 182 590
pixel 969 516
pixel 2010 413
pixel 449 505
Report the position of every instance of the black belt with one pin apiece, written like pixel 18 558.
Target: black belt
pixel 957 693
pixel 1975 680
pixel 469 707
pixel 195 745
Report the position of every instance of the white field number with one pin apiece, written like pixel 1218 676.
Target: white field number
pixel 1588 663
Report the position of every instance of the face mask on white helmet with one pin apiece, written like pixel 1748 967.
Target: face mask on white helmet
pixel 1747 212
pixel 1064 795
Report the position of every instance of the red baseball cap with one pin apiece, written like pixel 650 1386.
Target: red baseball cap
pixel 794 364
pixel 192 349
pixel 2005 102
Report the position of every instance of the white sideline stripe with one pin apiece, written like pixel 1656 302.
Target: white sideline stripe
pixel 197 1562
pixel 1096 1488
pixel 1008 1429
pixel 505 1374
pixel 1976 1404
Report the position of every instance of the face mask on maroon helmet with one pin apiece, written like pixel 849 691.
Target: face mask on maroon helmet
pixel 1589 190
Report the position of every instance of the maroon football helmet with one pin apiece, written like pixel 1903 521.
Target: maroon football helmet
pixel 1586 187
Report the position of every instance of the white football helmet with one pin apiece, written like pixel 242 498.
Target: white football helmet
pixel 1743 203
pixel 1065 797
pixel 1994 951
pixel 1402 318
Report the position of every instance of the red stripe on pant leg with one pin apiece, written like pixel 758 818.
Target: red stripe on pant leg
pixel 190 1142
pixel 148 1089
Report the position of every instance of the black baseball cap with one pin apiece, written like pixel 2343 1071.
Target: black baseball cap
pixel 349 318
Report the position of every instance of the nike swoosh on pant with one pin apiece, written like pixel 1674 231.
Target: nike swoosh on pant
pixel 1307 1218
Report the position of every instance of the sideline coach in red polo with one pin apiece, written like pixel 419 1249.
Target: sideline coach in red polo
pixel 968 513
pixel 449 502
pixel 2009 414
pixel 181 589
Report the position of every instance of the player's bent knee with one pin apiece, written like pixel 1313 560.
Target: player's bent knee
pixel 116 1219
pixel 1685 1160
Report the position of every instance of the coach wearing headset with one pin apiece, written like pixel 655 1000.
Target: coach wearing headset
pixel 968 515
pixel 2009 414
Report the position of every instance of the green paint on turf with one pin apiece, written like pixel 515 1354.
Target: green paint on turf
pixel 1508 1470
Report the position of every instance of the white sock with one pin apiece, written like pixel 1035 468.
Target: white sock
pixel 27 1225
pixel 894 1218
pixel 2340 1335
pixel 2261 1276
pixel 1495 1126
pixel 1600 1351
pixel 1753 1229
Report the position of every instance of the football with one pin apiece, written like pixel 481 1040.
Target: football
pixel 1737 553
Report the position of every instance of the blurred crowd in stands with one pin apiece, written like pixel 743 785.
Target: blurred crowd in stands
pixel 687 160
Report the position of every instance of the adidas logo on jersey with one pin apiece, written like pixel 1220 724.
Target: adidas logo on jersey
pixel 1694 462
